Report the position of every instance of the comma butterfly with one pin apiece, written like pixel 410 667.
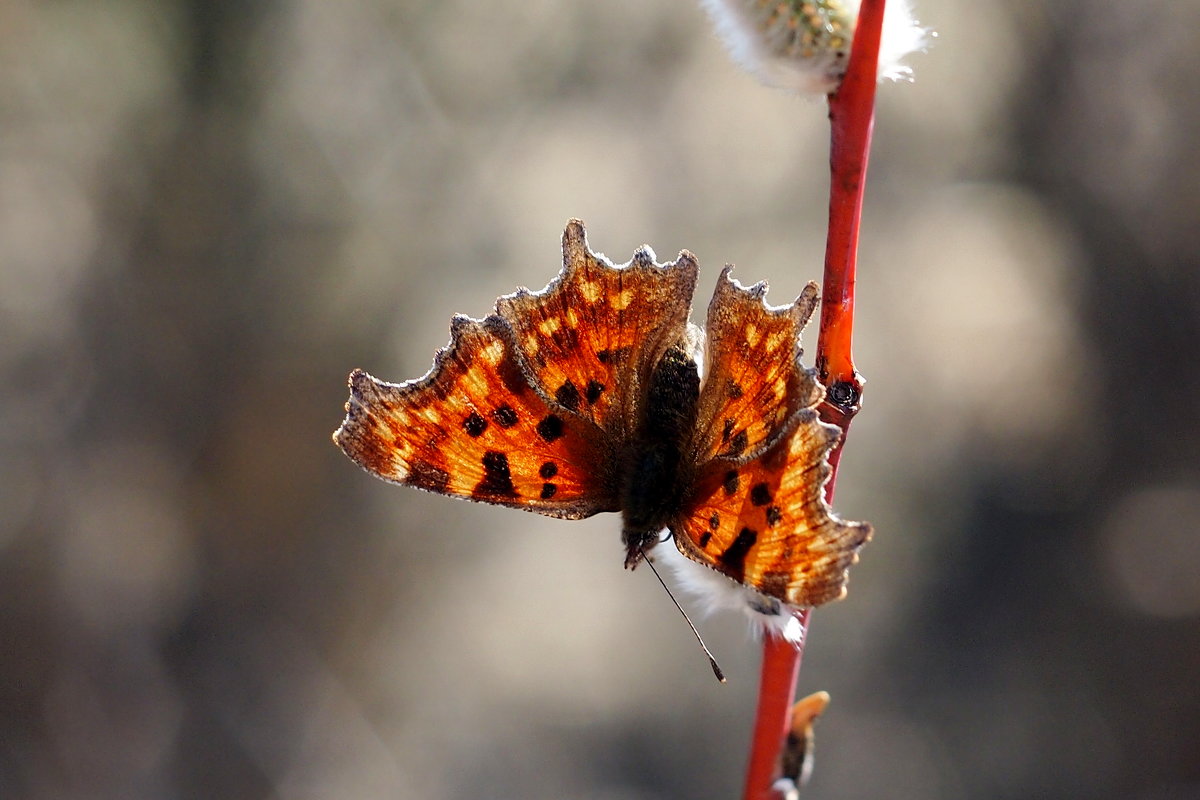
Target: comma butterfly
pixel 586 397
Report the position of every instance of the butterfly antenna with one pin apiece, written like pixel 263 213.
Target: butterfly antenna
pixel 716 668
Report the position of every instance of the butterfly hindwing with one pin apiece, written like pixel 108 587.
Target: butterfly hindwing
pixel 475 427
pixel 595 333
pixel 764 521
pixel 757 509
pixel 754 381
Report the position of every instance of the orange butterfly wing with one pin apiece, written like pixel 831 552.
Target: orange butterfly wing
pixel 593 336
pixel 757 509
pixel 765 523
pixel 475 427
pixel 754 381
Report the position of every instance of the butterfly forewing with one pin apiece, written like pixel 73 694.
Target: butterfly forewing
pixel 764 521
pixel 474 427
pixel 592 336
pixel 754 381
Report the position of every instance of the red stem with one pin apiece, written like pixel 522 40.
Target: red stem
pixel 772 718
pixel 851 116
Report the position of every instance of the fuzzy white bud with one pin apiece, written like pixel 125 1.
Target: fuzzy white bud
pixel 804 45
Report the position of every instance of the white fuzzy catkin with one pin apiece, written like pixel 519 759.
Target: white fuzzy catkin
pixel 804 45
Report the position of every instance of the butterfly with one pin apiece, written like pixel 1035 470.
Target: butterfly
pixel 587 397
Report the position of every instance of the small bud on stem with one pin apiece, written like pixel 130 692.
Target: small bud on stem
pixel 804 45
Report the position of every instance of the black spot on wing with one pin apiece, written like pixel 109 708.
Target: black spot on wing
pixel 738 444
pixel 505 416
pixel 734 389
pixel 475 425
pixel 734 557
pixel 705 538
pixel 551 427
pixel 548 490
pixel 727 430
pixel 548 470
pixel 731 482
pixel 714 521
pixel 760 495
pixel 497 480
pixel 773 516
pixel 593 391
pixel 568 396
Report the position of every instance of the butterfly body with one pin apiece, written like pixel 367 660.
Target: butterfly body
pixel 586 397
pixel 656 475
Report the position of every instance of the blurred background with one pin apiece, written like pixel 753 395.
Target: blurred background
pixel 211 210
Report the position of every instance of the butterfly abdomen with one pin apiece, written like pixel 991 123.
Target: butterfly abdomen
pixel 655 473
